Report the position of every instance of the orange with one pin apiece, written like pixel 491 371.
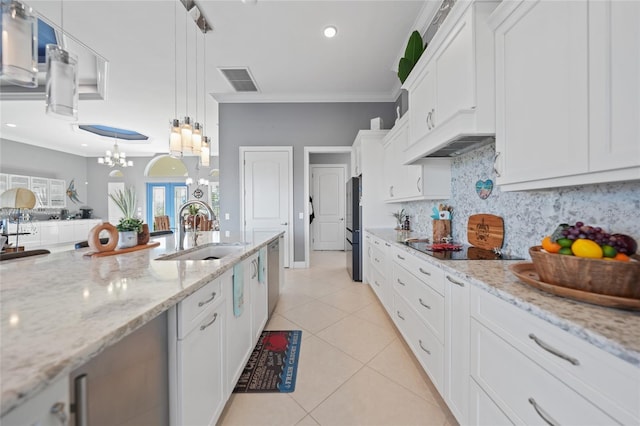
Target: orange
pixel 550 246
pixel 587 248
pixel 623 257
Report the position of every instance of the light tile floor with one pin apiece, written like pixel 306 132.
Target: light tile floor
pixel 354 367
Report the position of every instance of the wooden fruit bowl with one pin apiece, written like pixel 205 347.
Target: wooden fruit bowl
pixel 610 277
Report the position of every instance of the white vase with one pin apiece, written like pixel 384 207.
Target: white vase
pixel 127 239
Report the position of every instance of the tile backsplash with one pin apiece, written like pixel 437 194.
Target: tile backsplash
pixel 529 215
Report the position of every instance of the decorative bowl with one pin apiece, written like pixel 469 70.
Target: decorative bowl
pixel 610 277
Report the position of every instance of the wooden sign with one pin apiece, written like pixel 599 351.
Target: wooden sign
pixel 485 231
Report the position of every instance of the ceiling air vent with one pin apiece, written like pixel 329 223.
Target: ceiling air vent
pixel 240 79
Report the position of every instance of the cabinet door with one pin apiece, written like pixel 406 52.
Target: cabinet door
pixel 541 91
pixel 57 193
pixel 259 308
pixel 457 348
pixel 455 72
pixel 390 170
pixel 422 100
pixel 483 411
pixel 49 233
pixel 4 182
pixel 238 335
pixel 66 232
pixel 19 181
pixel 201 371
pixel 40 187
pixel 614 91
pixel 48 408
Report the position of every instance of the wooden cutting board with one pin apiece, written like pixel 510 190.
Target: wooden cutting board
pixel 485 231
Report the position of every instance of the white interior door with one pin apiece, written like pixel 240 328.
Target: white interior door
pixel 328 192
pixel 268 189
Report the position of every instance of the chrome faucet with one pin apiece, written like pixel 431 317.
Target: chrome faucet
pixel 181 228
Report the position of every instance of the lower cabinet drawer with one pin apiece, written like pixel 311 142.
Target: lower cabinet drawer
pixel 190 309
pixel 527 393
pixel 424 344
pixel 482 410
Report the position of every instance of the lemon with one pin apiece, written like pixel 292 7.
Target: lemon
pixel 564 242
pixel 586 248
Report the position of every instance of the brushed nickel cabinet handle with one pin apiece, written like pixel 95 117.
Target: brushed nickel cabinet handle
pixel 400 315
pixel 428 117
pixel 376 283
pixel 454 281
pixel 387 244
pixel 423 348
pixel 433 111
pixel 424 272
pixel 376 242
pixel 400 257
pixel 418 184
pixel 400 282
pixel 58 410
pixel 553 350
pixel 423 304
pixel 215 317
pixel 204 302
pixel 543 414
pixel 495 169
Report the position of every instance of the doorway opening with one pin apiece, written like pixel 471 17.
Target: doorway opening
pixel 315 156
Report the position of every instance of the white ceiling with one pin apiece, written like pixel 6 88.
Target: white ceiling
pixel 280 41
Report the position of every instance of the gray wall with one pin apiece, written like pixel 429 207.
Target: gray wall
pixel 297 125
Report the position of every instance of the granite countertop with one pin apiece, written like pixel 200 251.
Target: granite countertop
pixel 613 330
pixel 61 309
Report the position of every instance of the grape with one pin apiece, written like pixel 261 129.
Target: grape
pixel 571 237
pixel 598 229
pixel 579 224
pixel 582 236
pixel 565 232
pixel 574 231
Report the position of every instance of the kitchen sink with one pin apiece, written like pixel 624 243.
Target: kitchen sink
pixel 211 251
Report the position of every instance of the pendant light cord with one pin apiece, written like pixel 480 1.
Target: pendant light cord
pixel 204 79
pixel 175 59
pixel 196 67
pixel 186 64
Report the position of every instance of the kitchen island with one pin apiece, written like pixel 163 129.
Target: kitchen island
pixel 62 309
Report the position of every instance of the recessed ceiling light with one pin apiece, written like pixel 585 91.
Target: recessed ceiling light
pixel 11 125
pixel 83 144
pixel 330 31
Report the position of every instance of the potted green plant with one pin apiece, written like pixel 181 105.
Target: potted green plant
pixel 399 215
pixel 192 217
pixel 129 227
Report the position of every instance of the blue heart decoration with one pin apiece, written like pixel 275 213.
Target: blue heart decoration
pixel 484 188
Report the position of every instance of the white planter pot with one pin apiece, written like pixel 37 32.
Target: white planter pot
pixel 127 239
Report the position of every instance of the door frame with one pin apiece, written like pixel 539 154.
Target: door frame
pixel 290 227
pixel 308 150
pixel 327 165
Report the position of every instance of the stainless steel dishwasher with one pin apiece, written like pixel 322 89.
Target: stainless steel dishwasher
pixel 275 262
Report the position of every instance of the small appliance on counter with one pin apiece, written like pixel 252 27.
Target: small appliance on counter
pixel 87 212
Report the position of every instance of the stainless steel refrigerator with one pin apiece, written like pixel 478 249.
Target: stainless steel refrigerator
pixel 353 228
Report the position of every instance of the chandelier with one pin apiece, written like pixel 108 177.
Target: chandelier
pixel 115 158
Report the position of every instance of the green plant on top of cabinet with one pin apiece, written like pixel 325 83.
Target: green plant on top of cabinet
pixel 574 121
pixel 451 89
pixel 430 179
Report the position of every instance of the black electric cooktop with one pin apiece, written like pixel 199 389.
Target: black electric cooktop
pixel 465 252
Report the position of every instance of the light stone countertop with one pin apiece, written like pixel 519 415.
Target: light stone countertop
pixel 61 309
pixel 613 330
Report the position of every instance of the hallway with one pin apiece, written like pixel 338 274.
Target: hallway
pixel 354 368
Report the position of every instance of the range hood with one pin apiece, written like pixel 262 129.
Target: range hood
pixel 461 145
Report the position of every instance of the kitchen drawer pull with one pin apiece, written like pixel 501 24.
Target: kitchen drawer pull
pixel 428 116
pixel 376 259
pixel 201 304
pixel 424 272
pixel 454 281
pixel 375 242
pixel 495 159
pixel 553 350
pixel 418 184
pixel 387 244
pixel 423 304
pixel 433 111
pixel 376 283
pixel 215 317
pixel 400 282
pixel 400 257
pixel 400 315
pixel 423 348
pixel 543 414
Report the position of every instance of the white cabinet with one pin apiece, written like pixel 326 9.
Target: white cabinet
pixel 4 182
pixel 575 121
pixel 451 88
pixel 57 193
pixel 456 362
pixel 196 370
pixel 356 162
pixel 19 181
pixel 428 179
pixel 48 408
pixel 482 409
pixel 545 372
pixel 379 271
pixel 259 293
pixel 40 187
pixel 239 339
pixel 49 233
pixel 66 231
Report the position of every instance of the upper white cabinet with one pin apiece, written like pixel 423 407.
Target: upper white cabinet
pixel 568 93
pixel 40 187
pixel 428 180
pixel 19 181
pixel 57 192
pixel 451 88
